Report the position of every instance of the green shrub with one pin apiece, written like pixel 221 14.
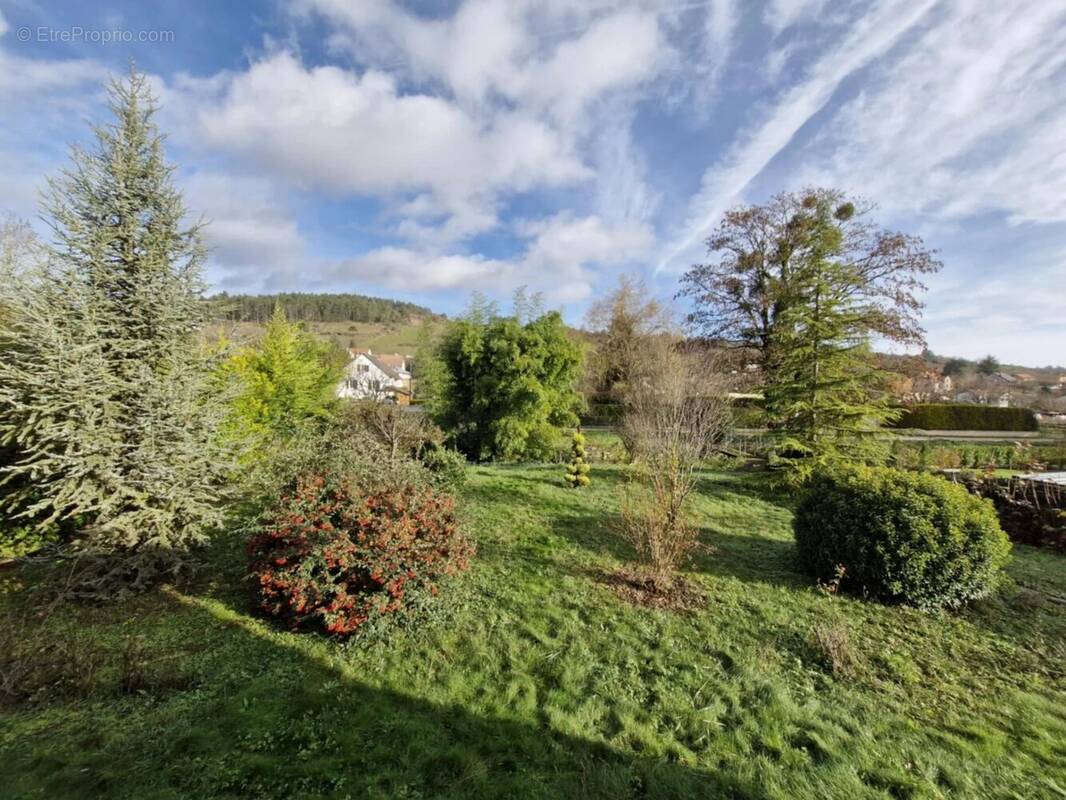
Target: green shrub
pixel 447 468
pixel 335 553
pixel 577 471
pixel 900 536
pixel 959 417
pixel 946 457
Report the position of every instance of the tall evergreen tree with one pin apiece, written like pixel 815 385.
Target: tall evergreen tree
pixel 104 385
pixel 821 391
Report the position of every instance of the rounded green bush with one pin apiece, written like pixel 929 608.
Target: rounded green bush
pixel 898 536
pixel 447 468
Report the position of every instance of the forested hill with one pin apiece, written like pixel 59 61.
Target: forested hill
pixel 310 307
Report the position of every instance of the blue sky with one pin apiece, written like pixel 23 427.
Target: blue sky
pixel 427 150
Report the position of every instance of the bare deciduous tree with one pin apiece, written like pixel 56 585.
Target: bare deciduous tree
pixel 624 321
pixel 676 410
pixel 402 432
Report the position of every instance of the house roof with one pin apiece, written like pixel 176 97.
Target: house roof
pixel 377 361
pixel 393 360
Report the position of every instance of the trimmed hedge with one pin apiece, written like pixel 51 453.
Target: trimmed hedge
pixel 960 417
pixel 896 536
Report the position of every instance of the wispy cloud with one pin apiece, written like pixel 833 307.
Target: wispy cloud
pixel 724 182
pixel 969 119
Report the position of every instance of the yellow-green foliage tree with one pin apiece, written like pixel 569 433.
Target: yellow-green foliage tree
pixel 577 471
pixel 283 383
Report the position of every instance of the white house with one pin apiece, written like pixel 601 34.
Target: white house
pixel 384 376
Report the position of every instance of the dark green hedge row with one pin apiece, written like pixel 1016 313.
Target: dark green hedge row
pixel 959 417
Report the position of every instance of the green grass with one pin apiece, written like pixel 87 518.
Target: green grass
pixel 531 679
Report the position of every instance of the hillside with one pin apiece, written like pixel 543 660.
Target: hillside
pixel 381 337
pixel 315 307
pixel 349 320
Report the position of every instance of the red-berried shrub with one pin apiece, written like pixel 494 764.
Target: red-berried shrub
pixel 335 554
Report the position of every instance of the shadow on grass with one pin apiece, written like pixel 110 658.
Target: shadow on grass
pixel 754 559
pixel 283 716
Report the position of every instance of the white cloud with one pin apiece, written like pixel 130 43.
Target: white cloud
pixel 971 118
pixel 724 182
pixel 623 191
pixel 565 239
pixel 45 102
pixel 615 52
pixel 782 14
pixel 1019 315
pixel 719 40
pixel 28 77
pixel 571 73
pixel 402 268
pixel 560 260
pixel 327 128
pixel 555 57
pixel 248 228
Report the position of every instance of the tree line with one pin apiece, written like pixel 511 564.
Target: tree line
pixel 313 307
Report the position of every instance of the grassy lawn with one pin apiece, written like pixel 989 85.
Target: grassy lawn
pixel 532 679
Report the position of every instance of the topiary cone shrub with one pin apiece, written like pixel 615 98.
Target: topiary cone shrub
pixel 903 537
pixel 334 555
pixel 577 471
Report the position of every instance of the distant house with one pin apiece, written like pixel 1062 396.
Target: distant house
pixel 926 388
pixel 1003 378
pixel 383 376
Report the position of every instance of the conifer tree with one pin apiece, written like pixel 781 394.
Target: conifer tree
pixel 104 383
pixel 287 380
pixel 821 393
